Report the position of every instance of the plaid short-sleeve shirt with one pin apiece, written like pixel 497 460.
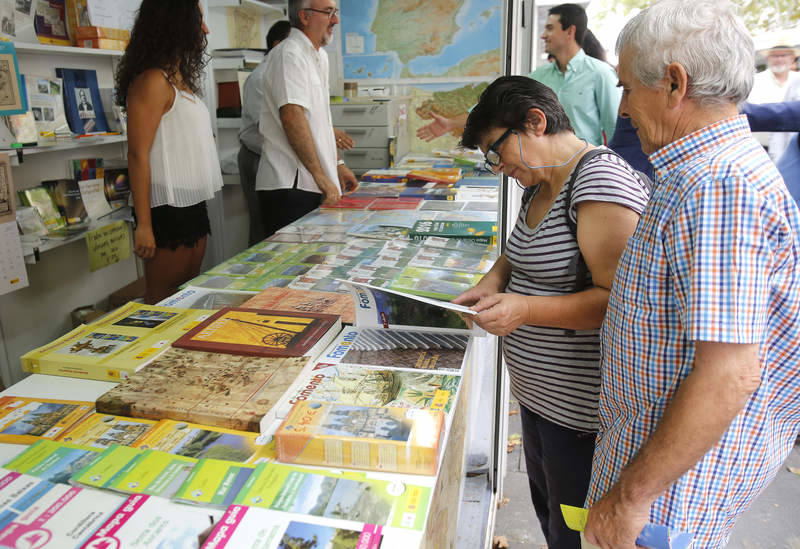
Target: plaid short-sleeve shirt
pixel 715 257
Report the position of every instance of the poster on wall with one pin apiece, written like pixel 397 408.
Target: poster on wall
pixel 432 44
pixel 13 275
pixel 12 91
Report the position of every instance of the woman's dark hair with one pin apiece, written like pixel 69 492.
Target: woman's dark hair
pixel 277 33
pixel 505 104
pixel 167 35
pixel 592 46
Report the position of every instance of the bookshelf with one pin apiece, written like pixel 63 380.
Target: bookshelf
pixel 46 49
pixel 65 145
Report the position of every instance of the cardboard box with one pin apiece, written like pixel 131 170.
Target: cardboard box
pixel 88 33
pixel 104 44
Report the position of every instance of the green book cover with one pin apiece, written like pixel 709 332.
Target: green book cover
pixel 107 465
pixel 53 461
pixel 435 283
pixel 153 473
pixel 348 496
pixel 214 482
pixel 42 201
pixel 480 231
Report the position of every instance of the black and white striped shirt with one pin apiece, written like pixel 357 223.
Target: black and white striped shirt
pixel 556 372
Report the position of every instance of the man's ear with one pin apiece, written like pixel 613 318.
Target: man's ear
pixel 677 80
pixel 536 121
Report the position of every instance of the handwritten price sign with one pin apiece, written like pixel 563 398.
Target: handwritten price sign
pixel 108 245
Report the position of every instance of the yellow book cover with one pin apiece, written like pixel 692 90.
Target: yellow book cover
pixel 373 438
pixel 103 430
pixel 204 442
pixel 26 420
pixel 117 345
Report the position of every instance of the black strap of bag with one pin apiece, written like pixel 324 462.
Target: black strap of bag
pixel 578 264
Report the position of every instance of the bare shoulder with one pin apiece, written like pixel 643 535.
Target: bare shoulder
pixel 151 87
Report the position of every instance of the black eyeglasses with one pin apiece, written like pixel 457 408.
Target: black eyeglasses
pixel 492 157
pixel 330 13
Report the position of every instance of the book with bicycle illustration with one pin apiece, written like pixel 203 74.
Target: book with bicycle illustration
pixel 262 332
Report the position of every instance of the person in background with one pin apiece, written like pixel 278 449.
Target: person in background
pixel 299 167
pixel 700 388
pixel 536 295
pixel 172 158
pixel 770 85
pixel 249 137
pixel 585 86
pixel 779 141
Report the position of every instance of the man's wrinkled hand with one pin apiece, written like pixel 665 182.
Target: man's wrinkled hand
pixel 501 314
pixel 440 126
pixel 615 524
pixel 347 179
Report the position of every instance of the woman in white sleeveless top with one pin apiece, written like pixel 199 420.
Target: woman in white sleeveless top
pixel 172 158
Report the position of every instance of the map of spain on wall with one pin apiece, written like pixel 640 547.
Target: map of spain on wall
pixel 421 38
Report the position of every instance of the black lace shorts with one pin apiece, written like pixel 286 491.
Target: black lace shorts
pixel 173 227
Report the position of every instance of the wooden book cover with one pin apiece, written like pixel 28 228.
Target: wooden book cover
pixel 233 392
pixel 389 439
pixel 305 301
pixel 258 332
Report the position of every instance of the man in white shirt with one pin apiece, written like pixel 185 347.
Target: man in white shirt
pixel 299 167
pixel 249 136
pixel 770 86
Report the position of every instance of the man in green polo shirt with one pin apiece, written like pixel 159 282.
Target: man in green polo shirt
pixel 586 87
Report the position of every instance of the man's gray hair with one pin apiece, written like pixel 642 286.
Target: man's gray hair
pixel 704 36
pixel 295 7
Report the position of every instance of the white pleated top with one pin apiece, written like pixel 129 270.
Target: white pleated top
pixel 184 166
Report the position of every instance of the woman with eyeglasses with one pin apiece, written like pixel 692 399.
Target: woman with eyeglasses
pixel 548 293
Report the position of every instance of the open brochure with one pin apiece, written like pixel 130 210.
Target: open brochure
pixel 384 308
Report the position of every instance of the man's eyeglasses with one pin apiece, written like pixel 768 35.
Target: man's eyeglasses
pixel 492 157
pixel 330 13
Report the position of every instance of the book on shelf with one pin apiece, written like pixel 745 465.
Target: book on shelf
pixel 42 201
pixel 114 347
pixel 228 391
pixel 67 196
pixel 214 483
pixel 14 100
pixel 397 440
pixel 243 526
pixel 258 332
pixel 286 299
pixel 82 102
pixel 116 186
pixel 372 386
pixel 22 128
pixel 99 430
pixel 147 521
pixel 338 495
pixel 52 461
pixel 196 442
pixel 46 107
pixel 30 222
pixel 50 23
pixel 26 420
pixel 94 198
pixel 193 297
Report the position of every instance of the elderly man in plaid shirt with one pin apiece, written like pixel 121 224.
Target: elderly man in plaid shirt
pixel 700 398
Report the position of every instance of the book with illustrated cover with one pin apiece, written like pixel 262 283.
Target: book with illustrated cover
pixel 104 430
pixel 285 299
pixel 258 332
pixel 416 350
pixel 369 386
pixel 214 483
pixel 83 169
pixel 452 260
pixel 56 517
pixel 481 231
pixel 114 347
pixel 436 175
pixel 67 196
pixel 438 284
pixel 150 472
pixel 146 521
pixel 116 186
pixel 41 200
pixel 13 100
pixel 243 526
pixel 50 23
pixel 105 466
pixel 381 232
pixel 192 297
pixel 336 495
pixel 25 420
pixel 397 440
pixel 379 189
pixel 386 175
pixel 219 390
pixel 52 461
pixel 46 106
pixel 197 442
pixel 82 101
pixel 30 222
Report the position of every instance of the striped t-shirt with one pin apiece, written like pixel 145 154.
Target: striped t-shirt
pixel 556 372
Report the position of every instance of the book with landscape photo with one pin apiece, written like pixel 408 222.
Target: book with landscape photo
pixel 437 284
pixel 42 201
pixel 214 483
pixel 67 196
pixel 228 391
pixel 53 461
pixel 338 495
pixel 150 472
pixel 46 107
pixel 192 297
pixel 25 420
pixel 258 332
pixel 387 439
pixel 82 101
pixel 484 232
pixel 114 347
pixel 103 430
